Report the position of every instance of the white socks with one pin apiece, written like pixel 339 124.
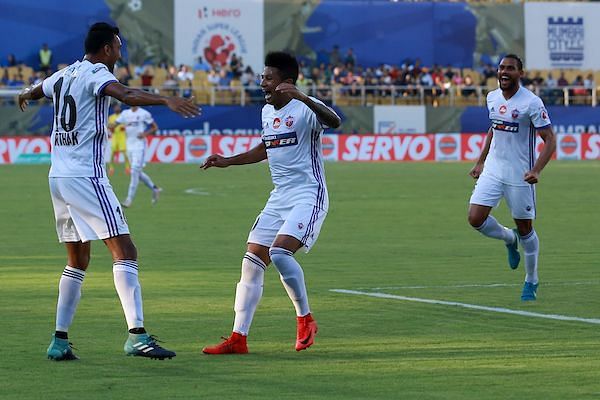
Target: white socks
pixel 491 228
pixel 531 250
pixel 146 179
pixel 248 292
pixel 69 293
pixel 130 292
pixel 292 277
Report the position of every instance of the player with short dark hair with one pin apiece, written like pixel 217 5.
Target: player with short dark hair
pixel 85 206
pixel 292 218
pixel 507 168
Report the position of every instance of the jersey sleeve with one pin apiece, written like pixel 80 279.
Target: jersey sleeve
pixel 99 78
pixel 48 84
pixel 148 120
pixel 538 114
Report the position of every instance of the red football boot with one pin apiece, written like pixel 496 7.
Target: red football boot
pixel 234 344
pixel 306 331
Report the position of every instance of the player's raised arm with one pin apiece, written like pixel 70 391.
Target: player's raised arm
pixel 324 114
pixel 478 167
pixel 254 155
pixel 547 135
pixel 30 93
pixel 137 97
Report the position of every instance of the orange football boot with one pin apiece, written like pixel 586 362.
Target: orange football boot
pixel 234 344
pixel 306 331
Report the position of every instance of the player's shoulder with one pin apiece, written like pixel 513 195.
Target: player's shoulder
pixel 528 97
pixel 493 95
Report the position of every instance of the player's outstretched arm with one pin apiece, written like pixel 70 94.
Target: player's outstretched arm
pixel 252 156
pixel 137 97
pixel 547 134
pixel 324 114
pixel 30 93
pixel 477 169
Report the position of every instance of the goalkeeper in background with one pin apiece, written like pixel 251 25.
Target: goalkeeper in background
pixel 117 141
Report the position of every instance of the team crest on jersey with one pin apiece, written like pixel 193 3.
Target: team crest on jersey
pixel 300 225
pixel 289 121
pixel 276 123
pixel 544 114
pixel 280 140
pixel 515 114
pixel 502 109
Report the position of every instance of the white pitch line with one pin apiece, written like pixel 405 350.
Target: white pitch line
pixel 502 310
pixel 488 285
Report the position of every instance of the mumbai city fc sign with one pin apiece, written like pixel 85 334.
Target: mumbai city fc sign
pixel 566 41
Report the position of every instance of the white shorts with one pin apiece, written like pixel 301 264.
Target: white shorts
pixel 136 158
pixel 520 199
pixel 86 209
pixel 302 221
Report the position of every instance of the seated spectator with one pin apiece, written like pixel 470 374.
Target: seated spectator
pixel 147 77
pixel 468 87
pixel 551 82
pixel 11 61
pixel 224 78
pixel 235 65
pixel 201 65
pixel 248 78
pixel 488 72
pixel 538 80
pixel 562 81
pixel 171 84
pixel 588 83
pixel 213 77
pixel 184 73
pixel 5 79
pixel 579 89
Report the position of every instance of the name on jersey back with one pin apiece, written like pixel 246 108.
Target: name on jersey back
pixel 66 138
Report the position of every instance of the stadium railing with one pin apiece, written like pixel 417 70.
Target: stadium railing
pixel 362 95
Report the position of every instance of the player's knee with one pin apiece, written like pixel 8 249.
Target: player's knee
pixel 475 219
pixel 279 255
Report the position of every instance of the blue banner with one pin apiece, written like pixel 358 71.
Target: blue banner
pixel 564 119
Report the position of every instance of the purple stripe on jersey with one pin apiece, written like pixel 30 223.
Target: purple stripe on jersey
pixel 97 139
pixel 320 191
pixel 101 138
pixel 101 89
pixel 108 225
pixel 95 135
pixel 112 213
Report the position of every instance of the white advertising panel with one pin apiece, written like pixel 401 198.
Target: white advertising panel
pixel 399 119
pixel 217 29
pixel 562 35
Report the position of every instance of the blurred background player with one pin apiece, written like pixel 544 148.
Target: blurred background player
pixel 292 218
pixel 138 124
pixel 117 140
pixel 85 207
pixel 507 168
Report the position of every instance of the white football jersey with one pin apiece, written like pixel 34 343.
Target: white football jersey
pixel 80 111
pixel 292 137
pixel 135 123
pixel 514 123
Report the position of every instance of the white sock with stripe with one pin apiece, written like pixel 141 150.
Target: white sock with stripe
pixel 292 277
pixel 492 228
pixel 69 294
pixel 531 250
pixel 128 287
pixel 248 292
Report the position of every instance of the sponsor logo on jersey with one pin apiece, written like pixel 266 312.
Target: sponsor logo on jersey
pixel 276 123
pixel 502 109
pixel 280 140
pixel 544 114
pixel 515 114
pixel 289 121
pixel 499 125
pixel 66 138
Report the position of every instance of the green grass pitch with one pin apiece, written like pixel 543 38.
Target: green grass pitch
pixel 398 229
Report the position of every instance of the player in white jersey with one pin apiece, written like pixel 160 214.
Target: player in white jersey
pixel 85 206
pixel 291 141
pixel 507 168
pixel 138 124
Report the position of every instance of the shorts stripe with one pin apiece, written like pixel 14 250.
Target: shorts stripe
pixel 108 225
pixel 108 206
